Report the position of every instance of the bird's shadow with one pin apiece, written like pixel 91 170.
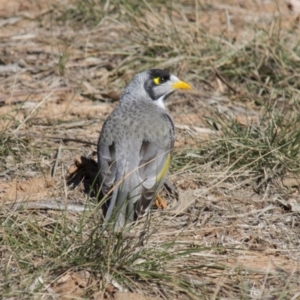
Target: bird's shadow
pixel 84 171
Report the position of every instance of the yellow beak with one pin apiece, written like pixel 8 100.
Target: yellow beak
pixel 181 85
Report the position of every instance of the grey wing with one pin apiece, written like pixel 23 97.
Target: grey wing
pixel 107 166
pixel 154 165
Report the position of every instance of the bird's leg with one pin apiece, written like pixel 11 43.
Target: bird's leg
pixel 160 202
pixel 171 188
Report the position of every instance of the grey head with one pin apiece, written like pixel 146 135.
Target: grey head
pixel 153 85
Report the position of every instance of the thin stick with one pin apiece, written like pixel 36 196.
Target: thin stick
pixel 224 80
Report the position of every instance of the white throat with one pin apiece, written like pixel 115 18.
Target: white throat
pixel 160 102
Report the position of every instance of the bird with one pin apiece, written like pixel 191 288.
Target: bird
pixel 135 147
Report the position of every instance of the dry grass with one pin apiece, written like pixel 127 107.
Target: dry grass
pixel 234 233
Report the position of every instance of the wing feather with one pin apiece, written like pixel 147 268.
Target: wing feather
pixel 155 158
pixel 107 164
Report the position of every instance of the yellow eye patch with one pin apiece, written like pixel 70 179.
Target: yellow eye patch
pixel 156 80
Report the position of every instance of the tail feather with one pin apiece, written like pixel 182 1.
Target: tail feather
pixel 127 191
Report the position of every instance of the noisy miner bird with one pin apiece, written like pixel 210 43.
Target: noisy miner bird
pixel 135 146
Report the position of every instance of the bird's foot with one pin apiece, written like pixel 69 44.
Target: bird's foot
pixel 160 202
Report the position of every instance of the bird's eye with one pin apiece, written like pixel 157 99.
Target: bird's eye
pixel 157 80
